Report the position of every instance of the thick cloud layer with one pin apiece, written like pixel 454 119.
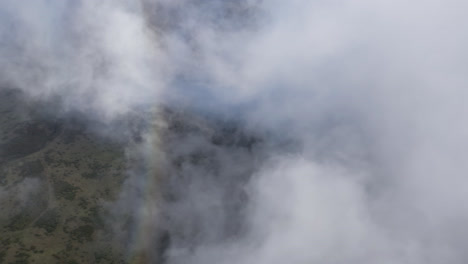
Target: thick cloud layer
pixel 369 95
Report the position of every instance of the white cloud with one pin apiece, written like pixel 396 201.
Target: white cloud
pixel 372 87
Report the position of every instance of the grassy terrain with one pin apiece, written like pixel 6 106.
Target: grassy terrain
pixel 61 198
pixel 54 183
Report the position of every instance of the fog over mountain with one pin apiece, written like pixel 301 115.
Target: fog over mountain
pixel 236 131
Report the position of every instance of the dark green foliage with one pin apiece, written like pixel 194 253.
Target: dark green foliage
pixel 83 204
pixel 30 137
pixel 48 157
pixel 71 135
pixel 94 217
pixel 6 242
pixel 55 158
pixel 82 233
pixel 64 190
pixel 50 154
pixel 3 176
pixel 32 169
pixel 48 221
pixel 96 170
pixel 21 258
pixel 20 221
pixel 20 261
pixel 103 256
pixel 90 175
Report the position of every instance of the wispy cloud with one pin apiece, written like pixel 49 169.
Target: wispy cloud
pixel 372 93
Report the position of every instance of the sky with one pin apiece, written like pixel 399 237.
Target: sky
pixel 371 94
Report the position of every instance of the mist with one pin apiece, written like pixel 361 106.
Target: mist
pixel 348 142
